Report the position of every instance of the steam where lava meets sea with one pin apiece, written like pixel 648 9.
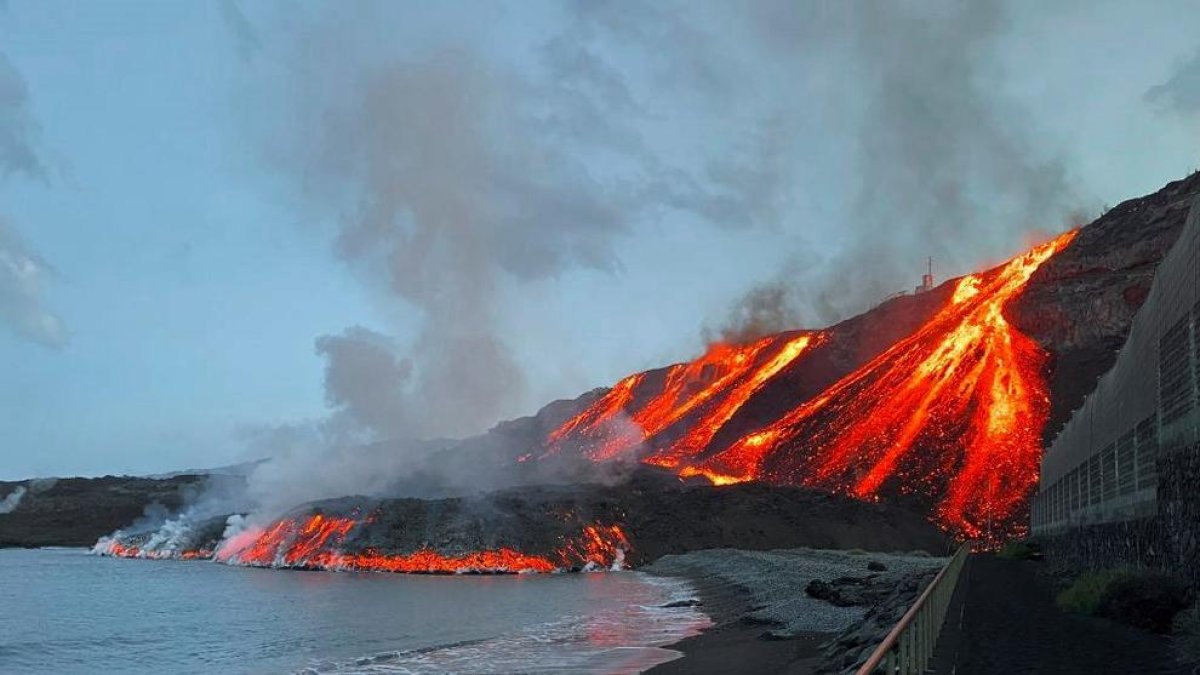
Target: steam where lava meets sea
pixel 938 401
pixel 543 529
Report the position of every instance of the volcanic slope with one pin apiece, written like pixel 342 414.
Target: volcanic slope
pixel 941 399
pixel 544 528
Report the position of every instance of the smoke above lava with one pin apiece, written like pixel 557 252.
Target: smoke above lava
pixel 947 165
pixel 940 162
pixel 452 179
pixel 454 176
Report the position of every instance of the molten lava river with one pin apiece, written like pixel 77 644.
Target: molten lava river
pixel 319 542
pixel 952 414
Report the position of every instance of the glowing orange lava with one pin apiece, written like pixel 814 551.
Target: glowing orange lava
pixel 714 386
pixel 316 542
pixel 954 412
pixel 115 548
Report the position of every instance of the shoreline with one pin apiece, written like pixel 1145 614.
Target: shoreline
pixel 766 617
pixel 732 643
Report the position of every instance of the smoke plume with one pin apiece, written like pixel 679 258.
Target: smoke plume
pixel 945 163
pixel 23 274
pixel 451 192
pixel 939 162
pixel 23 279
pixel 18 130
pixel 767 308
pixel 453 176
pixel 1180 93
pixel 13 500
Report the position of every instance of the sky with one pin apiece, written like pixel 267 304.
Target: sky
pixel 230 225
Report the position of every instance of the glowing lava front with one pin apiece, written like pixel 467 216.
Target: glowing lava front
pixel 317 542
pixel 111 546
pixel 954 412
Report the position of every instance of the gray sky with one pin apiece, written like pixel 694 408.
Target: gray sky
pixel 224 221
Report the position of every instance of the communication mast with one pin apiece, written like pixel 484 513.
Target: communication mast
pixel 926 279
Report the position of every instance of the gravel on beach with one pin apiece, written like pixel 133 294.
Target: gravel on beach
pixel 773 583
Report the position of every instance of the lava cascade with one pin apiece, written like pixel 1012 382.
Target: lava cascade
pixel 316 542
pixel 953 412
pixel 713 387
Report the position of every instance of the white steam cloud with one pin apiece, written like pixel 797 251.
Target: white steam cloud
pixel 13 500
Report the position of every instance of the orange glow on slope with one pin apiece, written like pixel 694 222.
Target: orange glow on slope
pixel 958 407
pixel 316 543
pixel 701 433
pixel 718 383
pixel 594 422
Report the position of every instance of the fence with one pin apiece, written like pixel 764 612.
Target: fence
pixel 1102 466
pixel 909 645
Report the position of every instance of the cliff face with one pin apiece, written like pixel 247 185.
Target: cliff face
pixel 1080 304
pixel 77 511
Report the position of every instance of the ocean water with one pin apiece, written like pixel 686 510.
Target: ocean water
pixel 64 611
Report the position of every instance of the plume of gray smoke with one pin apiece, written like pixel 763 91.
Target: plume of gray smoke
pixel 451 177
pixel 13 500
pixel 767 308
pixel 946 165
pixel 23 279
pixel 942 164
pixel 18 130
pixel 365 378
pixel 450 191
pixel 1180 93
pixel 32 487
pixel 23 274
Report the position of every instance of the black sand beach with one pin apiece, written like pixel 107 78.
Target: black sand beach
pixel 763 621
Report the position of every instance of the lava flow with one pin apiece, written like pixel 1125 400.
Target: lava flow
pixel 714 386
pixel 953 413
pixel 317 542
pixel 957 408
pixel 113 547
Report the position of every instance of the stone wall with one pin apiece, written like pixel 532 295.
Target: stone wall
pixel 1168 541
pixel 1179 511
pixel 1133 543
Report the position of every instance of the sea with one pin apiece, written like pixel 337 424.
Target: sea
pixel 66 611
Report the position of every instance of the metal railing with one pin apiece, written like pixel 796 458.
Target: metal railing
pixel 909 645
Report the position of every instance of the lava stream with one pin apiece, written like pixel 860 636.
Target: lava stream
pixel 318 542
pixel 714 386
pixel 953 411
